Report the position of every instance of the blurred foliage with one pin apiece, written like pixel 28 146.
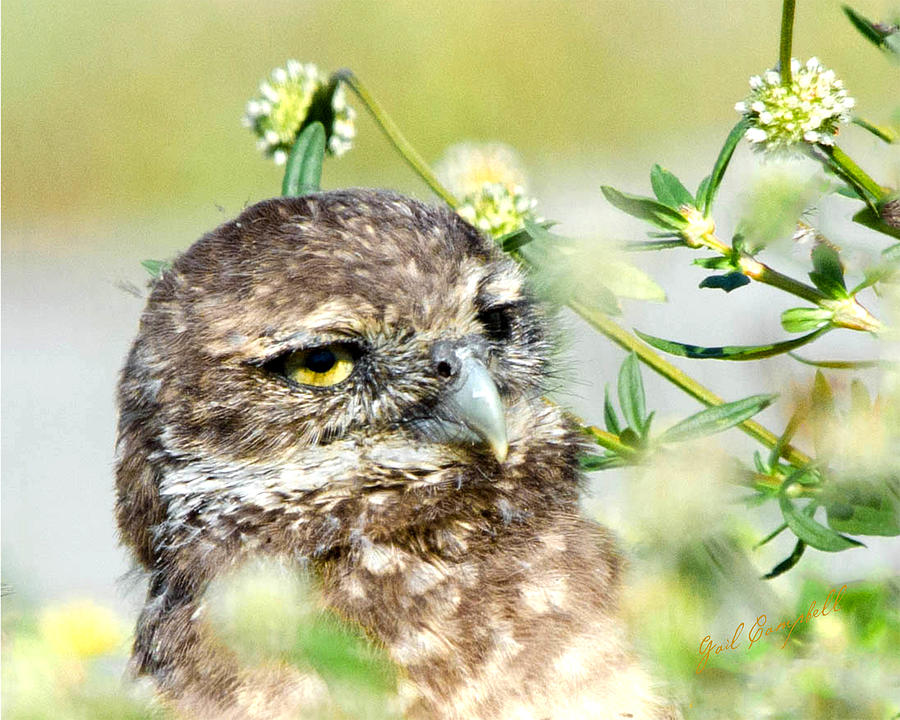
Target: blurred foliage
pixel 88 98
pixel 843 665
pixel 67 661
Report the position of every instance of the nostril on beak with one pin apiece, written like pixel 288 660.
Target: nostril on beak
pixel 446 360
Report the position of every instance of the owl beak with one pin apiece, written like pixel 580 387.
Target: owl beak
pixel 477 404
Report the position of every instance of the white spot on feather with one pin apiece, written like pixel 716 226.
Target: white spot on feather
pixel 423 577
pixel 545 595
pixel 380 559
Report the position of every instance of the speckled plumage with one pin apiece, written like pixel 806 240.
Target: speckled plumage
pixel 478 576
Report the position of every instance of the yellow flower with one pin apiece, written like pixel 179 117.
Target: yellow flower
pixel 80 628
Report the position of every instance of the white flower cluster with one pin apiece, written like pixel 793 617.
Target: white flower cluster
pixel 809 110
pixel 498 209
pixel 490 182
pixel 466 167
pixel 291 98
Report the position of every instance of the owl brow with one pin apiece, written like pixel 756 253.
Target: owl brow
pixel 485 303
pixel 496 290
pixel 302 340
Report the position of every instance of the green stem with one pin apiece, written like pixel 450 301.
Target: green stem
pixel 859 177
pixel 766 275
pixel 608 440
pixel 596 319
pixel 847 314
pixel 760 272
pixel 390 129
pixel 604 324
pixel 787 35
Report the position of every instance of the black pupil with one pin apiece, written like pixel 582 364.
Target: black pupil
pixel 496 323
pixel 320 361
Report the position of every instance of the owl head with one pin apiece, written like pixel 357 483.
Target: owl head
pixel 321 369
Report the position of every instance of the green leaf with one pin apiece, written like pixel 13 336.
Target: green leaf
pixel 805 527
pixel 592 463
pixel 557 275
pixel 846 191
pixel 645 208
pixel 728 352
pixel 888 135
pixel 715 263
pixel 530 230
pixel 514 239
pixel 822 395
pixel 645 428
pixel 885 271
pixel 541 231
pixel 668 189
pixel 631 393
pixel 828 273
pixel 860 402
pixel 788 562
pixel 792 425
pixel 566 270
pixel 343 657
pixel 864 507
pixel 805 319
pixel 630 438
pixel 705 201
pixel 853 181
pixel 758 463
pixel 609 415
pixel 717 418
pixel 821 413
pixel 872 220
pixel 771 536
pixel 879 36
pixel 303 172
pixel 654 244
pixel 156 267
pixel 703 189
pixel 844 364
pixel 625 280
pixel 728 282
pixel 863 520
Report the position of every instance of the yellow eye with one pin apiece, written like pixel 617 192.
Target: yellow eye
pixel 320 367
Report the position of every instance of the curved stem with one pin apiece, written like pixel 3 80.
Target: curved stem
pixel 595 318
pixel 390 129
pixel 603 323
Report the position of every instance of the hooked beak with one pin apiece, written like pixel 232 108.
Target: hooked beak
pixel 474 401
pixel 468 409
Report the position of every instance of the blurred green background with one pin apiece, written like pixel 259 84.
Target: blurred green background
pixel 122 141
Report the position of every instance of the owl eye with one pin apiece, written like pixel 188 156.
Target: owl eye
pixel 322 366
pixel 497 323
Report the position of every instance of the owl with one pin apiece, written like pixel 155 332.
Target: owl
pixel 352 382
